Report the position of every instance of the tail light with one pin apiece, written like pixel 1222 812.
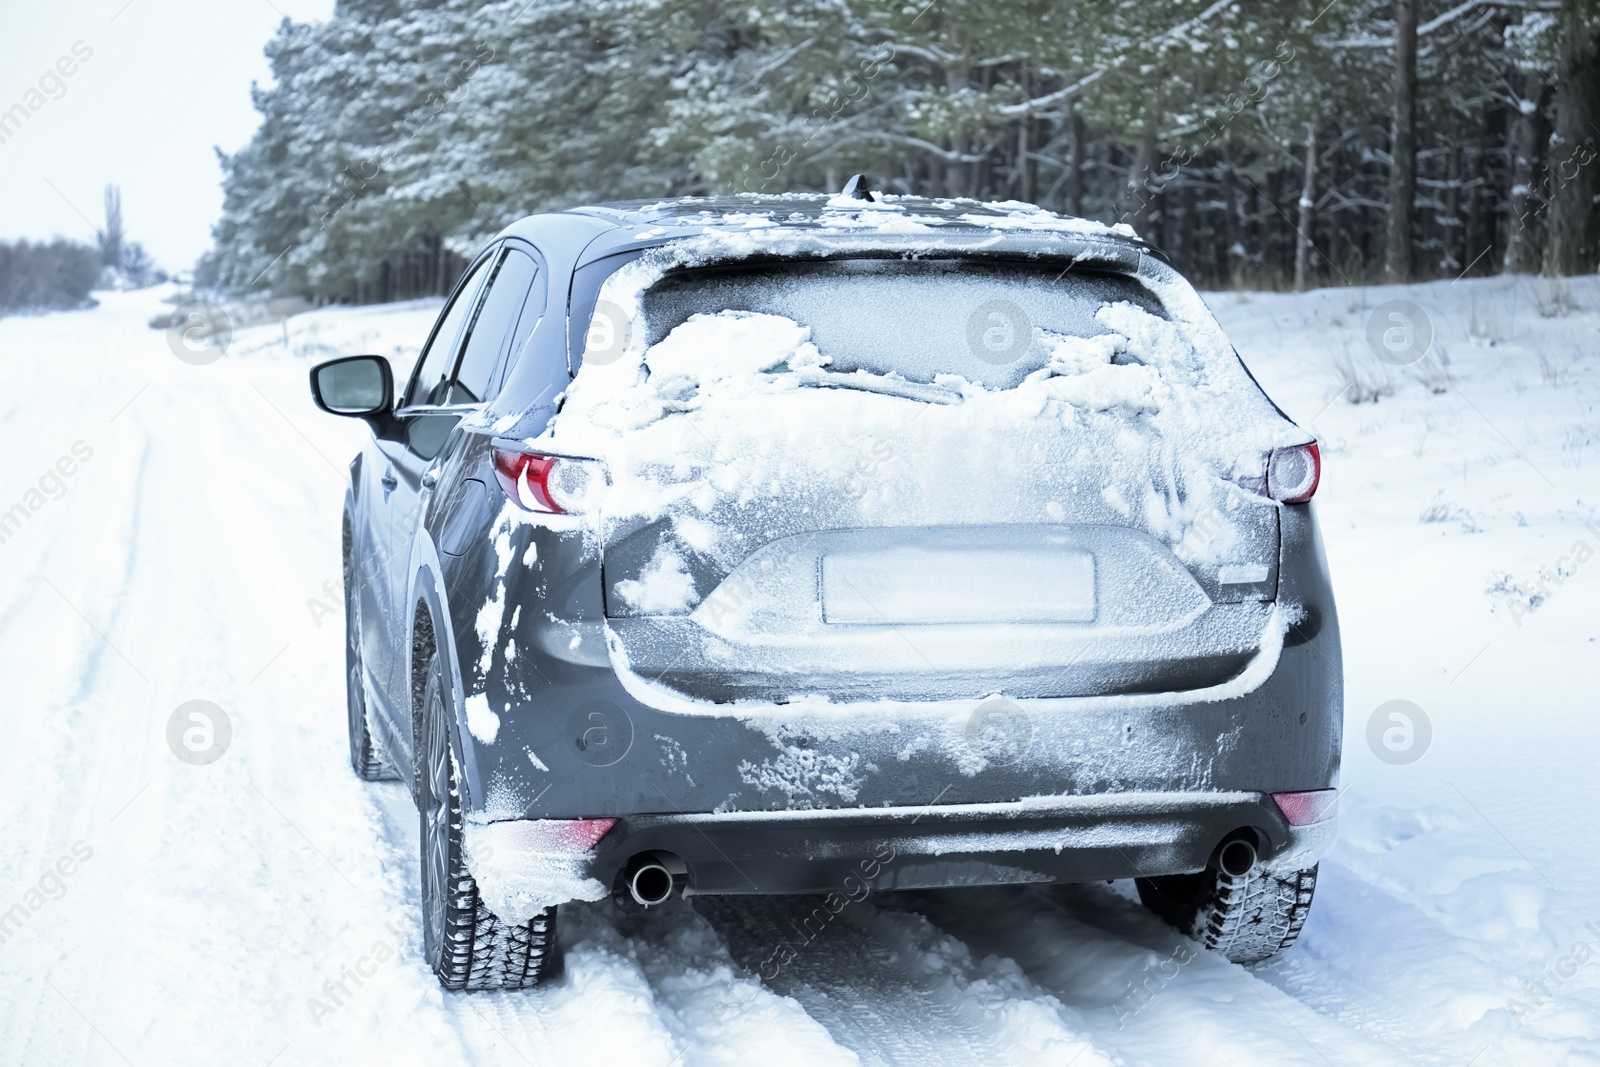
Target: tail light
pixel 550 485
pixel 1293 473
pixel 539 837
pixel 1304 809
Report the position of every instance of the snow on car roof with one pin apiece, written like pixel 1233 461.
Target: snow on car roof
pixel 812 211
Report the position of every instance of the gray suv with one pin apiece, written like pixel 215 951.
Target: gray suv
pixel 833 545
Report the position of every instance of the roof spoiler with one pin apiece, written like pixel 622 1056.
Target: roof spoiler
pixel 858 189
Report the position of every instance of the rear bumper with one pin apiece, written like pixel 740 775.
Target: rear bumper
pixel 576 738
pixel 1047 839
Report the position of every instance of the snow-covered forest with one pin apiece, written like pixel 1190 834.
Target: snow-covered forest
pixel 1256 143
pixel 39 275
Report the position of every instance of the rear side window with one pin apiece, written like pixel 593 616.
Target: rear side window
pixel 987 321
pixel 433 369
pixel 547 353
pixel 508 290
pixel 581 320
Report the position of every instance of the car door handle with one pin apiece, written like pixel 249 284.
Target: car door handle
pixel 389 481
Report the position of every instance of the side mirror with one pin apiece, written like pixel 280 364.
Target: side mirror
pixel 359 386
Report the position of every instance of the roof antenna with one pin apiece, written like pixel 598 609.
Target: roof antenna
pixel 857 189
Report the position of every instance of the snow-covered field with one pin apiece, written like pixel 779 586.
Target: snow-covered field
pixel 178 541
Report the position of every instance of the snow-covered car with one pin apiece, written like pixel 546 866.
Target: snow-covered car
pixel 835 545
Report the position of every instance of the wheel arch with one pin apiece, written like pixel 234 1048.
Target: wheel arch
pixel 430 631
pixel 347 532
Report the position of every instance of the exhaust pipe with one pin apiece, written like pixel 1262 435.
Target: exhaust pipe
pixel 651 884
pixel 653 877
pixel 1236 857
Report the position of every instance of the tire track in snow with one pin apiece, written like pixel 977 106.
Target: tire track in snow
pixel 63 741
pixel 211 920
pixel 309 922
pixel 890 986
pixel 1137 982
pixel 664 983
pixel 1403 1003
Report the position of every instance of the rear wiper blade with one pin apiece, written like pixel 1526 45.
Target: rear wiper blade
pixel 817 378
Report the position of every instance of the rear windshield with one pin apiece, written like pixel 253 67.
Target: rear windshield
pixel 987 321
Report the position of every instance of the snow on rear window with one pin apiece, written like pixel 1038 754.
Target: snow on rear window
pixel 812 388
pixel 988 322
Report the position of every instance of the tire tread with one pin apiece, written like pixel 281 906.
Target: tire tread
pixel 478 950
pixel 1248 918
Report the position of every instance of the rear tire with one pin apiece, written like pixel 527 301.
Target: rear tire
pixel 1248 918
pixel 465 944
pixel 365 757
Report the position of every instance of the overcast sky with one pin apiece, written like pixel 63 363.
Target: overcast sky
pixel 165 81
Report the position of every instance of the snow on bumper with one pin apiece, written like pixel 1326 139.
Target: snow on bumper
pixel 523 866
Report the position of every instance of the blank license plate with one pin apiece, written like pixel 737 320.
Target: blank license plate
pixel 914 585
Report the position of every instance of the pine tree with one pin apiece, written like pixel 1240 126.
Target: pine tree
pixel 1250 141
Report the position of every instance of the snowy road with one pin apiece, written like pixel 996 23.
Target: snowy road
pixel 178 542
